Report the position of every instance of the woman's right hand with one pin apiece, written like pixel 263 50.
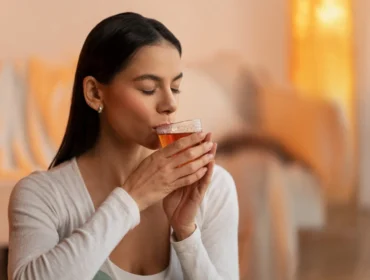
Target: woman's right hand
pixel 179 164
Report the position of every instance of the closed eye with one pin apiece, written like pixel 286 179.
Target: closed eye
pixel 148 92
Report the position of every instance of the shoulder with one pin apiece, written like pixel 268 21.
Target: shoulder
pixel 40 187
pixel 221 192
pixel 222 183
pixel 221 174
pixel 220 204
pixel 40 181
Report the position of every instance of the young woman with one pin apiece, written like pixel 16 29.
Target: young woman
pixel 109 207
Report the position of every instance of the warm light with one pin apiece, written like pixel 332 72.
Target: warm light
pixel 331 13
pixel 322 60
pixel 301 18
pixel 322 50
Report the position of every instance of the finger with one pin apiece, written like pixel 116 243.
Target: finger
pixel 183 143
pixel 214 149
pixel 191 154
pixel 208 137
pixel 193 166
pixel 190 179
pixel 206 180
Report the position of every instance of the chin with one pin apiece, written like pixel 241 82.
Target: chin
pixel 152 144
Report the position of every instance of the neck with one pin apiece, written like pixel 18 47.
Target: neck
pixel 113 161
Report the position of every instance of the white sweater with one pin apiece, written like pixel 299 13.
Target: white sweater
pixel 56 234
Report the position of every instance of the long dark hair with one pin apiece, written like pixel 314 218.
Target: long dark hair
pixel 107 50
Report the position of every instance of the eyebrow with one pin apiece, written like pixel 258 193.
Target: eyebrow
pixel 155 78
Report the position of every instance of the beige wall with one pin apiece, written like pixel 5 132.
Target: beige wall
pixel 57 29
pixel 52 29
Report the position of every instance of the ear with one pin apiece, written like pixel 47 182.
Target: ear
pixel 92 93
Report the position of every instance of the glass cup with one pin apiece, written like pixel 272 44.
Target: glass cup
pixel 169 133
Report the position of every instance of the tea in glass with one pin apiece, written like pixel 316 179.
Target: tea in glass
pixel 171 132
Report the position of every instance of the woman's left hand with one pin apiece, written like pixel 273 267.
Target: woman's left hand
pixel 181 206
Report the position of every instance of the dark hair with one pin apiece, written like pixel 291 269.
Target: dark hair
pixel 107 50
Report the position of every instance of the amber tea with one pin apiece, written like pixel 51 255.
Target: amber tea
pixel 170 133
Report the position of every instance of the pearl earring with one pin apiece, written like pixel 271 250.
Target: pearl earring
pixel 100 109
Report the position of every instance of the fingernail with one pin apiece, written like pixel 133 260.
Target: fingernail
pixel 210 156
pixel 209 145
pixel 202 135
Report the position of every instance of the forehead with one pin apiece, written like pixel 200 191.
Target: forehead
pixel 163 60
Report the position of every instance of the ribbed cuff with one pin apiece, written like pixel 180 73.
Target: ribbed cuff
pixel 189 244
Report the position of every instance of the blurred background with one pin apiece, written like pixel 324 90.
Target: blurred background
pixel 283 85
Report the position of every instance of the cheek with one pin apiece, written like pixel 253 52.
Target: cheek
pixel 131 106
pixel 138 108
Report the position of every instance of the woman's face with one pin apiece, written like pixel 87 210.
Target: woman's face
pixel 143 96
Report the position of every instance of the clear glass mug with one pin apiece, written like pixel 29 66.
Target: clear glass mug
pixel 170 133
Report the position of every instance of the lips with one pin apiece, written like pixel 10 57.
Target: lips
pixel 162 124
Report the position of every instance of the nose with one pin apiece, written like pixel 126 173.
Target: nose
pixel 167 104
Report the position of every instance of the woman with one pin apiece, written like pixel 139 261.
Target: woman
pixel 108 208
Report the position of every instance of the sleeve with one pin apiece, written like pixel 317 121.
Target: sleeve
pixel 211 252
pixel 35 251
